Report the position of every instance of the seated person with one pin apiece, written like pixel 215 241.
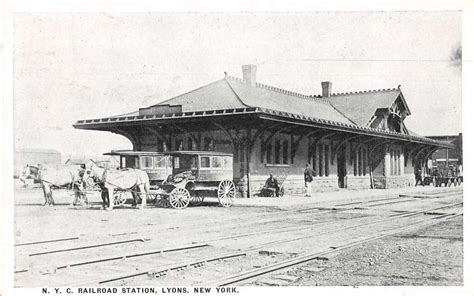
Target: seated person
pixel 272 186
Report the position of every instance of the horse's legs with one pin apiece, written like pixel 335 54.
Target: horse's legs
pixel 48 195
pixel 45 194
pixel 143 195
pixel 110 191
pixel 103 195
pixel 77 193
pixel 135 198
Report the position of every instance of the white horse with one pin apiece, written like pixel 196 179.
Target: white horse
pixel 124 180
pixel 62 176
pixel 29 172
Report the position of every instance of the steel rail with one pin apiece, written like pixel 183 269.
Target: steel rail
pixel 116 257
pixel 88 247
pixel 206 224
pixel 253 248
pixel 159 269
pixel 192 246
pixel 46 241
pixel 253 273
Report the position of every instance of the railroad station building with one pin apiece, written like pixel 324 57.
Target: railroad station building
pixel 353 140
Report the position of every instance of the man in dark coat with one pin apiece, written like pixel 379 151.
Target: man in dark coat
pixel 308 178
pixel 272 185
pixel 418 178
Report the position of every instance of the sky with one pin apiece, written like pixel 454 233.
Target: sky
pixel 79 66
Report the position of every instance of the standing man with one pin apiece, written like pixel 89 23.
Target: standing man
pixel 308 178
pixel 418 178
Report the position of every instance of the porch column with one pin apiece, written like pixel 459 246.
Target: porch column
pixel 387 162
pixel 402 164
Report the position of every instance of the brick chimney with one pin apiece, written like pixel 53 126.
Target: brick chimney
pixel 249 73
pixel 327 86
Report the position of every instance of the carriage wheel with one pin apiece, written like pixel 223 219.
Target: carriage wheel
pixel 162 202
pixel 196 199
pixel 282 192
pixel 120 198
pixel 226 193
pixel 179 198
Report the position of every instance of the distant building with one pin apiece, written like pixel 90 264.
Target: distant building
pixel 103 161
pixel 35 157
pixel 448 157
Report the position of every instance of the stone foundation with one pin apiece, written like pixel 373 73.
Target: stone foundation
pixel 394 182
pixel 358 182
pixel 294 184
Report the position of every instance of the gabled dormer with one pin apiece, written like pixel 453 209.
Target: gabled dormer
pixel 391 118
pixel 384 109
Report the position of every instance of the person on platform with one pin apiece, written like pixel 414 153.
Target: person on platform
pixel 308 178
pixel 418 178
pixel 272 186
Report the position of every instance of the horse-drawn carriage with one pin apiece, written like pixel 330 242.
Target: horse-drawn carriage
pixel 180 178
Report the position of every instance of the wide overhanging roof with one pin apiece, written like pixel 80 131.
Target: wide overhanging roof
pixel 109 123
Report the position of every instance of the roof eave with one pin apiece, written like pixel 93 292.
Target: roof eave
pixel 107 124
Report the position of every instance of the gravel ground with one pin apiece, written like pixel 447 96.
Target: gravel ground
pixel 431 256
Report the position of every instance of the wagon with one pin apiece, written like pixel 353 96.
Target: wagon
pixel 447 176
pixel 157 165
pixel 196 175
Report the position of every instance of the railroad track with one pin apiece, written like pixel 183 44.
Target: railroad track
pixel 252 274
pixel 196 262
pixel 249 217
pixel 222 256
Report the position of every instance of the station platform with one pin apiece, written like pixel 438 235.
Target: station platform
pixel 342 195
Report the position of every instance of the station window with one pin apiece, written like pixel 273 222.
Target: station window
pixel 277 152
pixel 179 144
pixel 395 162
pixel 285 151
pixel 326 160
pixel 190 144
pixel 269 153
pixel 320 160
pixel 160 145
pixel 360 162
pixel 205 162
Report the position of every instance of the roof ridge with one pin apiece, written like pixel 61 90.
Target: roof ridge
pixel 340 112
pixel 188 92
pixel 364 91
pixel 283 91
pixel 235 93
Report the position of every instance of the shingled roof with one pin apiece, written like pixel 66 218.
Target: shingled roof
pixel 361 106
pixel 232 92
pixel 232 96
